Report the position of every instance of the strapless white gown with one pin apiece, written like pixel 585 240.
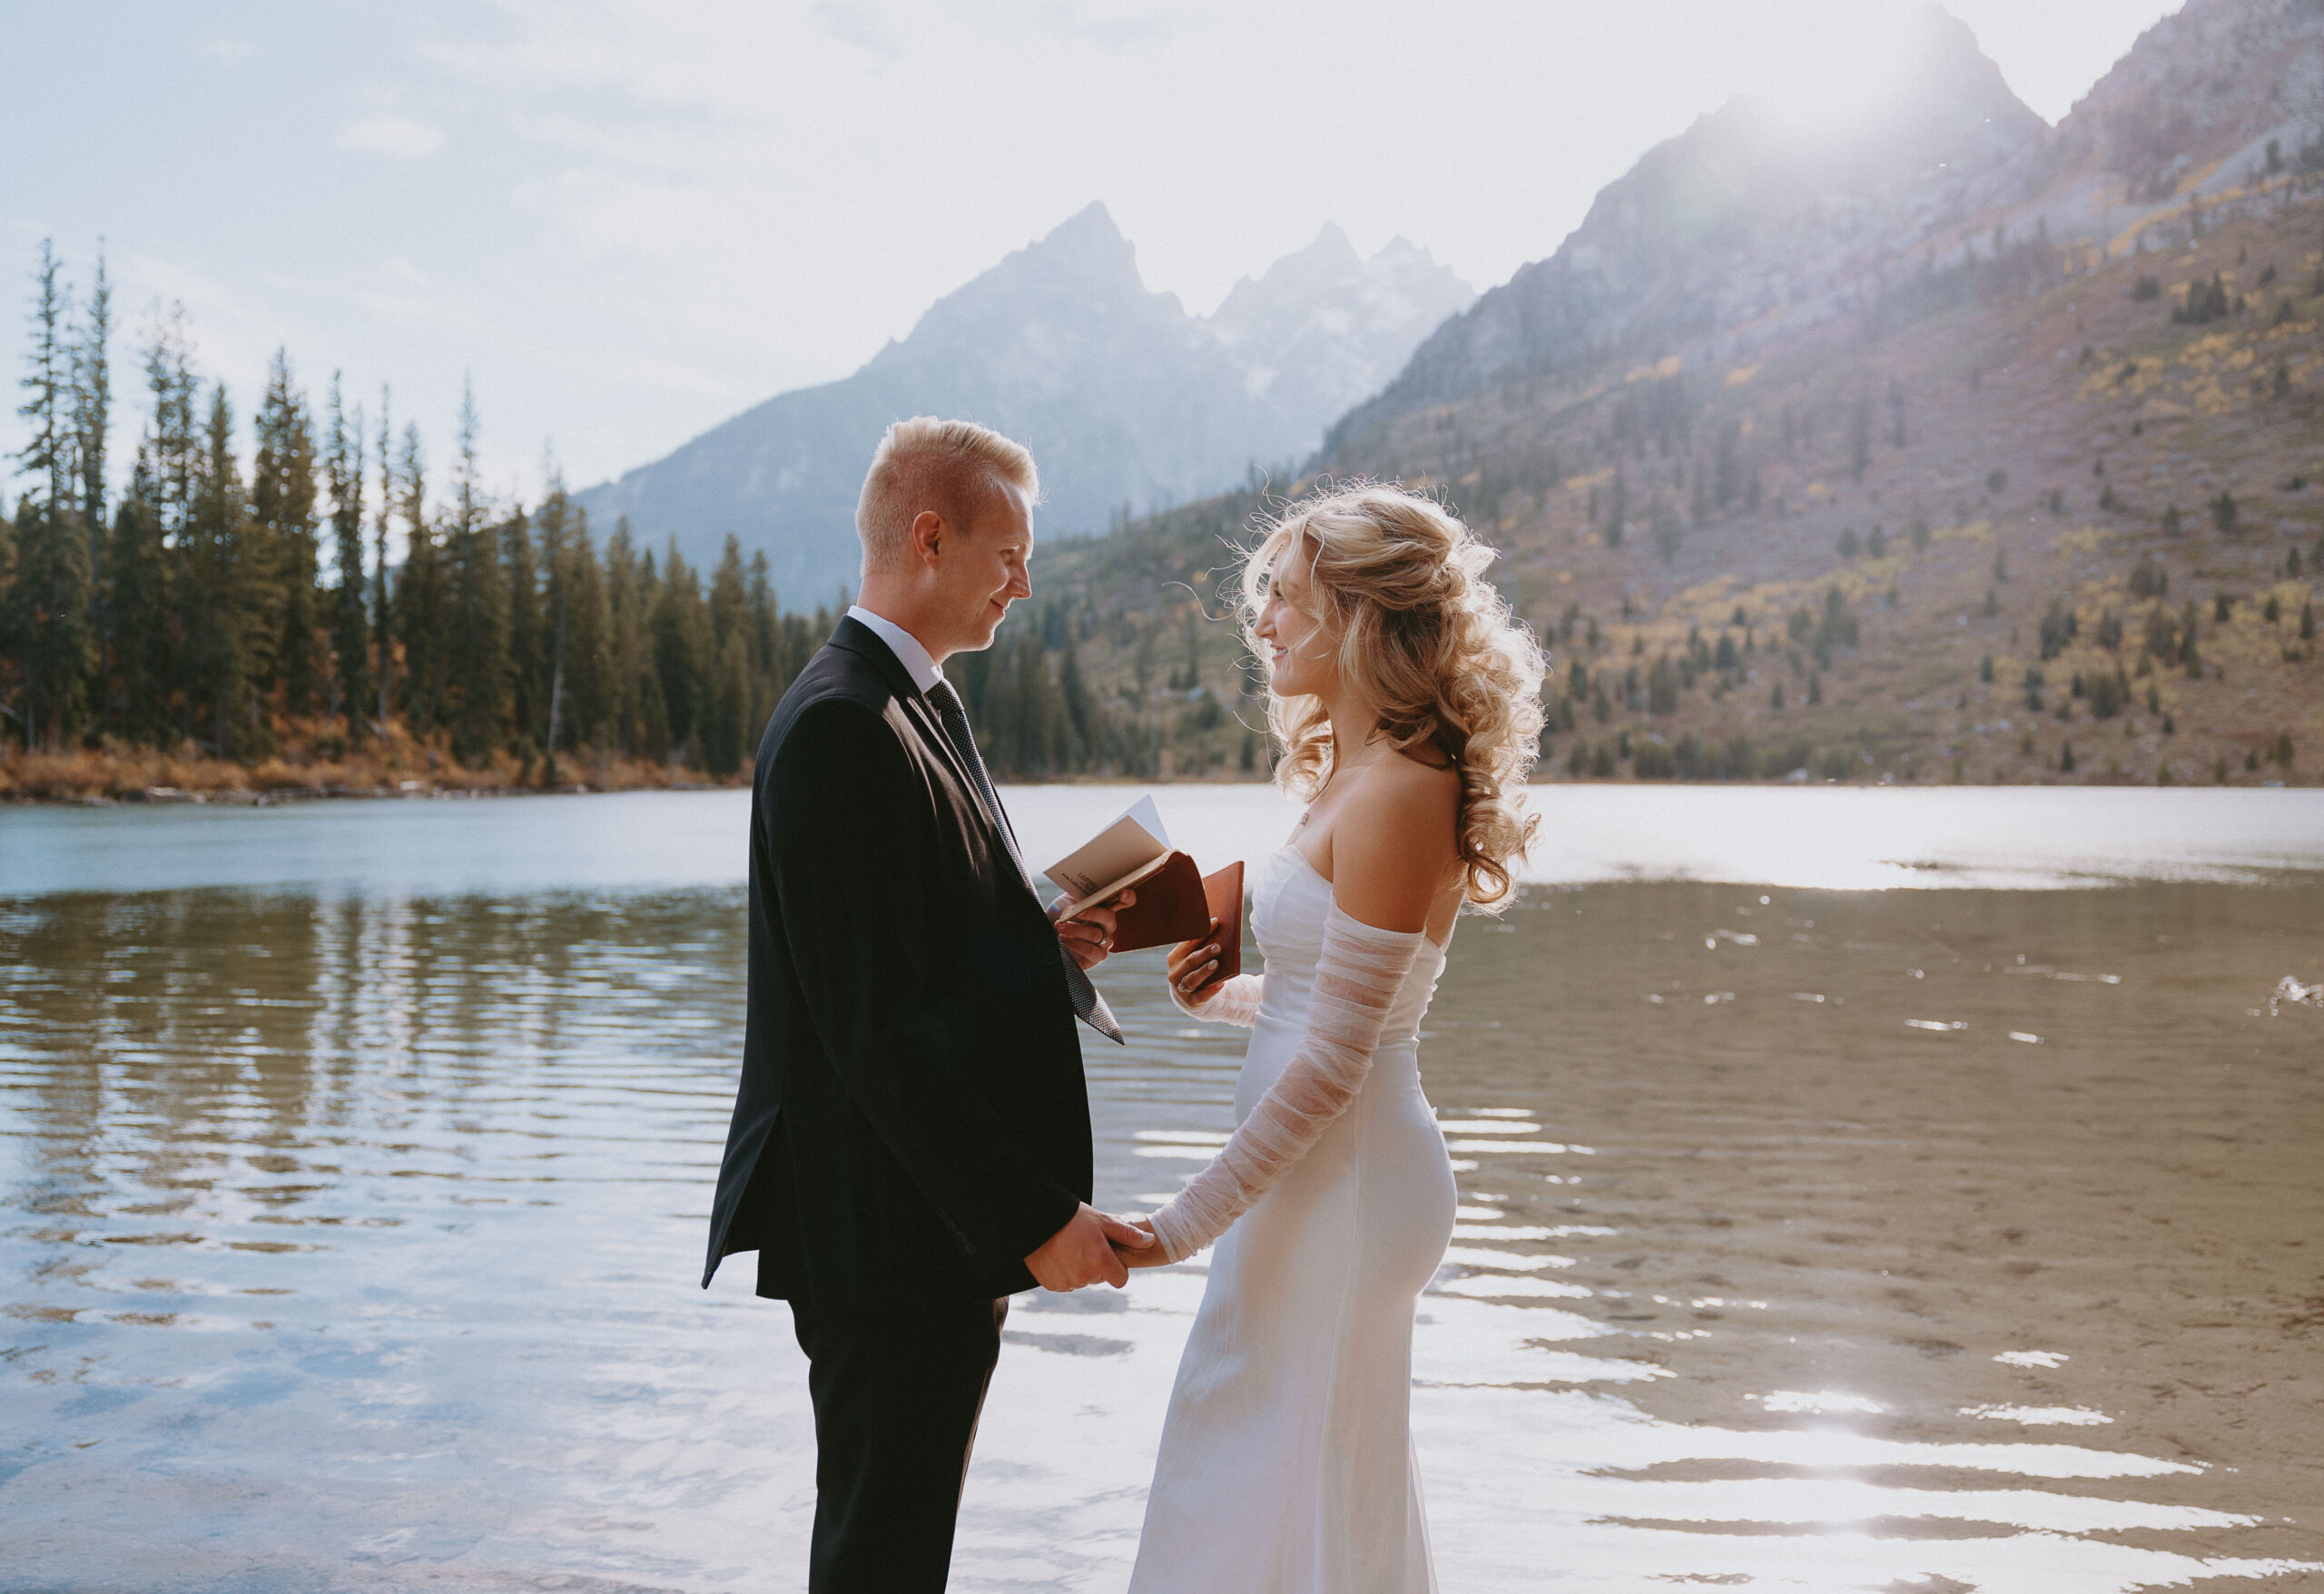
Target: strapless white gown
pixel 1286 1461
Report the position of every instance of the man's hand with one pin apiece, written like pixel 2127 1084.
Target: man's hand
pixel 1085 1250
pixel 1089 935
pixel 1150 1255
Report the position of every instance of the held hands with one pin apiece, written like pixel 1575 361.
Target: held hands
pixel 1089 935
pixel 1194 969
pixel 1150 1255
pixel 1091 1246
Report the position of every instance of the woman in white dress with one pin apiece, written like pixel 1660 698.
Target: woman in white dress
pixel 1404 698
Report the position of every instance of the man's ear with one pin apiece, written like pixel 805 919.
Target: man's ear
pixel 927 534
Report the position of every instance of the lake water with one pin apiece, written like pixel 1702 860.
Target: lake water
pixel 354 1160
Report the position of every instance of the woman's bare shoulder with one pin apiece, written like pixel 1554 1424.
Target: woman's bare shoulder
pixel 1393 842
pixel 1420 775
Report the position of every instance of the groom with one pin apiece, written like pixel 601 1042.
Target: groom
pixel 910 1139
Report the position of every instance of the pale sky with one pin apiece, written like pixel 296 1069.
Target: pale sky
pixel 627 220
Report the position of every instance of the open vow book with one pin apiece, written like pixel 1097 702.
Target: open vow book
pixel 1176 902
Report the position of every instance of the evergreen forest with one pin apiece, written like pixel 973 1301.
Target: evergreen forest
pixel 314 604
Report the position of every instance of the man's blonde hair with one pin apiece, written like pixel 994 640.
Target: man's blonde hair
pixel 952 466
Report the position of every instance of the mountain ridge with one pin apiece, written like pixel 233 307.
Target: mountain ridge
pixel 1126 401
pixel 2179 119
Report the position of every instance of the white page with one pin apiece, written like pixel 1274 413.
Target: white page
pixel 1146 814
pixel 1123 847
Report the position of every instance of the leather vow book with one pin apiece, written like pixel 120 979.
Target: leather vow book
pixel 1176 903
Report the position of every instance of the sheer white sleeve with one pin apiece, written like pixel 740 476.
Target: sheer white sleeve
pixel 1235 1002
pixel 1357 977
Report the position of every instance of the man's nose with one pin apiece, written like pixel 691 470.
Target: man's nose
pixel 1020 582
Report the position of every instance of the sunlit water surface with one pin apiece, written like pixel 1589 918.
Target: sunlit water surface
pixel 1814 1236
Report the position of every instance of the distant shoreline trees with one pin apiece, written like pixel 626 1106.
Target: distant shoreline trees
pixel 219 605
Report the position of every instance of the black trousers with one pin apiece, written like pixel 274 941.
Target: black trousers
pixel 896 1395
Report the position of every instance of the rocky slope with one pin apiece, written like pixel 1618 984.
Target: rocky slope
pixel 1960 448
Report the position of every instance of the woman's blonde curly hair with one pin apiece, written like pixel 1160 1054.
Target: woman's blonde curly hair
pixel 1429 643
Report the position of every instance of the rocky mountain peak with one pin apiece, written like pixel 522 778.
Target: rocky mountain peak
pixel 1313 333
pixel 1952 98
pixel 1749 219
pixel 1125 399
pixel 1079 283
pixel 1746 167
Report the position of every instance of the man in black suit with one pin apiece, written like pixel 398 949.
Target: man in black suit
pixel 910 1139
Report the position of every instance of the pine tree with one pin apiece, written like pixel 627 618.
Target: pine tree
pixel 91 427
pixel 172 447
pixel 51 590
pixel 420 608
pixel 726 734
pixel 556 596
pixel 769 671
pixel 529 686
pixel 350 649
pixel 383 640
pixel 478 612
pixel 222 594
pixel 576 624
pixel 283 495
pixel 148 564
pixel 728 731
pixel 641 727
pixel 684 658
pixel 589 686
pixel 730 597
pixel 144 655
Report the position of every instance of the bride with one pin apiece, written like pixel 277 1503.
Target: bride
pixel 1403 698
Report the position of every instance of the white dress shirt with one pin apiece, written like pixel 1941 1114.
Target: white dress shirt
pixel 914 657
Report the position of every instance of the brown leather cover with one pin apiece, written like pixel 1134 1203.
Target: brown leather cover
pixel 1223 892
pixel 1170 908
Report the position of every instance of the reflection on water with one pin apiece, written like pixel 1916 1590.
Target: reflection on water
pixel 1921 1241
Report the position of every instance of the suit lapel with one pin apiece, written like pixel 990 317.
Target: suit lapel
pixel 854 636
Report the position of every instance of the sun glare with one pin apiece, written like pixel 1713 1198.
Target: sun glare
pixel 1843 65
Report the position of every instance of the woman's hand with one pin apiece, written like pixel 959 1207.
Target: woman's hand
pixel 1194 968
pixel 1150 1255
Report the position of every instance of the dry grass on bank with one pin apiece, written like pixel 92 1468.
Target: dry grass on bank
pixel 313 761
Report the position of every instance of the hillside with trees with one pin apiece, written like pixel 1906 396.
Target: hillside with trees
pixel 1975 452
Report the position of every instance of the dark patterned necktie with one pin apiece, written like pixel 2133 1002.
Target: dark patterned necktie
pixel 1088 1005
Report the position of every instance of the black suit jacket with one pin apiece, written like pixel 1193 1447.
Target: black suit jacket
pixel 912 1120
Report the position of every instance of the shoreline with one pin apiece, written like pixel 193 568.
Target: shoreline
pixel 407 770
pixel 313 766
pixel 429 791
